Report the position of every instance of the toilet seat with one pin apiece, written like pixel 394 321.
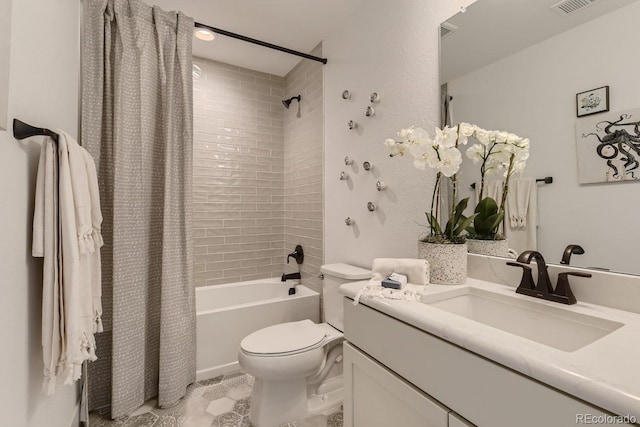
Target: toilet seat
pixel 284 339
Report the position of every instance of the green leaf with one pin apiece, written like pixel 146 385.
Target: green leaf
pixel 488 218
pixel 433 223
pixel 486 207
pixel 453 228
pixel 463 225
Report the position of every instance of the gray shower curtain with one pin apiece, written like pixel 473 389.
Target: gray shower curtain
pixel 137 121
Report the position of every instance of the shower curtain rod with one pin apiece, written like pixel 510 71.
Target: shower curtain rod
pixel 261 43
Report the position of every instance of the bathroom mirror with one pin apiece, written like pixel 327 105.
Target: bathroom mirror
pixel 517 65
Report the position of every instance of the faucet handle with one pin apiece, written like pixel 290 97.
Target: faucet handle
pixel 297 254
pixel 563 289
pixel 527 279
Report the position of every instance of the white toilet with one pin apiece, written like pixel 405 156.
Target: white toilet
pixel 291 361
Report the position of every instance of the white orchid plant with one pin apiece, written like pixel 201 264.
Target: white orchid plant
pixel 442 154
pixel 495 152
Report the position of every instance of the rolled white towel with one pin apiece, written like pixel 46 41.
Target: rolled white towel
pixel 416 270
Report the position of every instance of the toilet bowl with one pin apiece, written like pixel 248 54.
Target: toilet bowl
pixel 291 361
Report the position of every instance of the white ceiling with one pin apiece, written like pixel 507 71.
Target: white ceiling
pixel 493 29
pixel 299 25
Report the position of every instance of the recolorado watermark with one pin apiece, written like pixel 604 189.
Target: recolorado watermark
pixel 605 419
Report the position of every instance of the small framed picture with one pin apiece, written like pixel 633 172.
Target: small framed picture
pixel 592 101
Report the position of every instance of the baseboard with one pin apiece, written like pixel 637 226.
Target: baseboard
pixel 205 374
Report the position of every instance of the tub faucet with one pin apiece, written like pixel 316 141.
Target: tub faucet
pixel 291 276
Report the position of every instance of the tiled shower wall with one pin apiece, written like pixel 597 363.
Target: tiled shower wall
pixel 303 166
pixel 238 174
pixel 257 172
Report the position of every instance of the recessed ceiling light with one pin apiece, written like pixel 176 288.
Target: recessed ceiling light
pixel 204 34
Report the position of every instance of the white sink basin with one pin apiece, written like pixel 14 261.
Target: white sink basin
pixel 549 325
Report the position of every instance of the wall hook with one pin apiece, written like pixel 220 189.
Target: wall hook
pixel 346 94
pixel 369 111
pixel 349 221
pixel 352 125
pixel 371 206
pixel 367 166
pixel 348 160
pixel 343 176
pixel 374 97
pixel 380 186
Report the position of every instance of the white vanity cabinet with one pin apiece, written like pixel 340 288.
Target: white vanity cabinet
pixel 394 369
pixel 376 397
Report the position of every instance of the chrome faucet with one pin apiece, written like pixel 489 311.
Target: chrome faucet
pixel 543 289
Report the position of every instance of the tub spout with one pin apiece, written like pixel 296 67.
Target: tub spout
pixel 291 276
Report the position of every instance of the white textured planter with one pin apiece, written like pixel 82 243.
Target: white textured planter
pixel 447 262
pixel 488 247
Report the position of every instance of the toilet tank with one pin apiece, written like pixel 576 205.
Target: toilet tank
pixel 334 276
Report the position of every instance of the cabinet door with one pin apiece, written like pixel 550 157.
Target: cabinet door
pixel 376 397
pixel 456 420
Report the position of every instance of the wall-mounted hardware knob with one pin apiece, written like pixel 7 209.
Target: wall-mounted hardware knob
pixel 369 111
pixel 367 166
pixel 371 206
pixel 352 125
pixel 348 221
pixel 380 185
pixel 346 94
pixel 343 176
pixel 374 97
pixel 348 160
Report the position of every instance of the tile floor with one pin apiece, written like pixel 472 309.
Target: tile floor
pixel 223 401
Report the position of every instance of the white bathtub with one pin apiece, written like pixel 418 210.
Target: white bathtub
pixel 227 313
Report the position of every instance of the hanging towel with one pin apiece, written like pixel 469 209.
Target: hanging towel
pixel 76 229
pixel 522 211
pixel 96 237
pixel 416 270
pixel 45 244
pixel 518 200
pixel 66 232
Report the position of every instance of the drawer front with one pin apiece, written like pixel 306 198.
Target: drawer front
pixel 376 397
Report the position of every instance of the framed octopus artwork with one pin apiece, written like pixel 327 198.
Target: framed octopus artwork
pixel 608 147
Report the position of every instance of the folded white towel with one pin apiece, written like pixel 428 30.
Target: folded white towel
pixel 416 270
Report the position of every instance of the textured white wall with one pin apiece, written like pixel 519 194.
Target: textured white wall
pixel 44 72
pixel 539 103
pixel 390 48
pixel 5 45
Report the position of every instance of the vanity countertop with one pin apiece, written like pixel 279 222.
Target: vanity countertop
pixel 605 373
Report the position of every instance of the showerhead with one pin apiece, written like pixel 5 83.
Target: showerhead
pixel 287 102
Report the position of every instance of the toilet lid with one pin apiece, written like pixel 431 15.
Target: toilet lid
pixel 283 338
